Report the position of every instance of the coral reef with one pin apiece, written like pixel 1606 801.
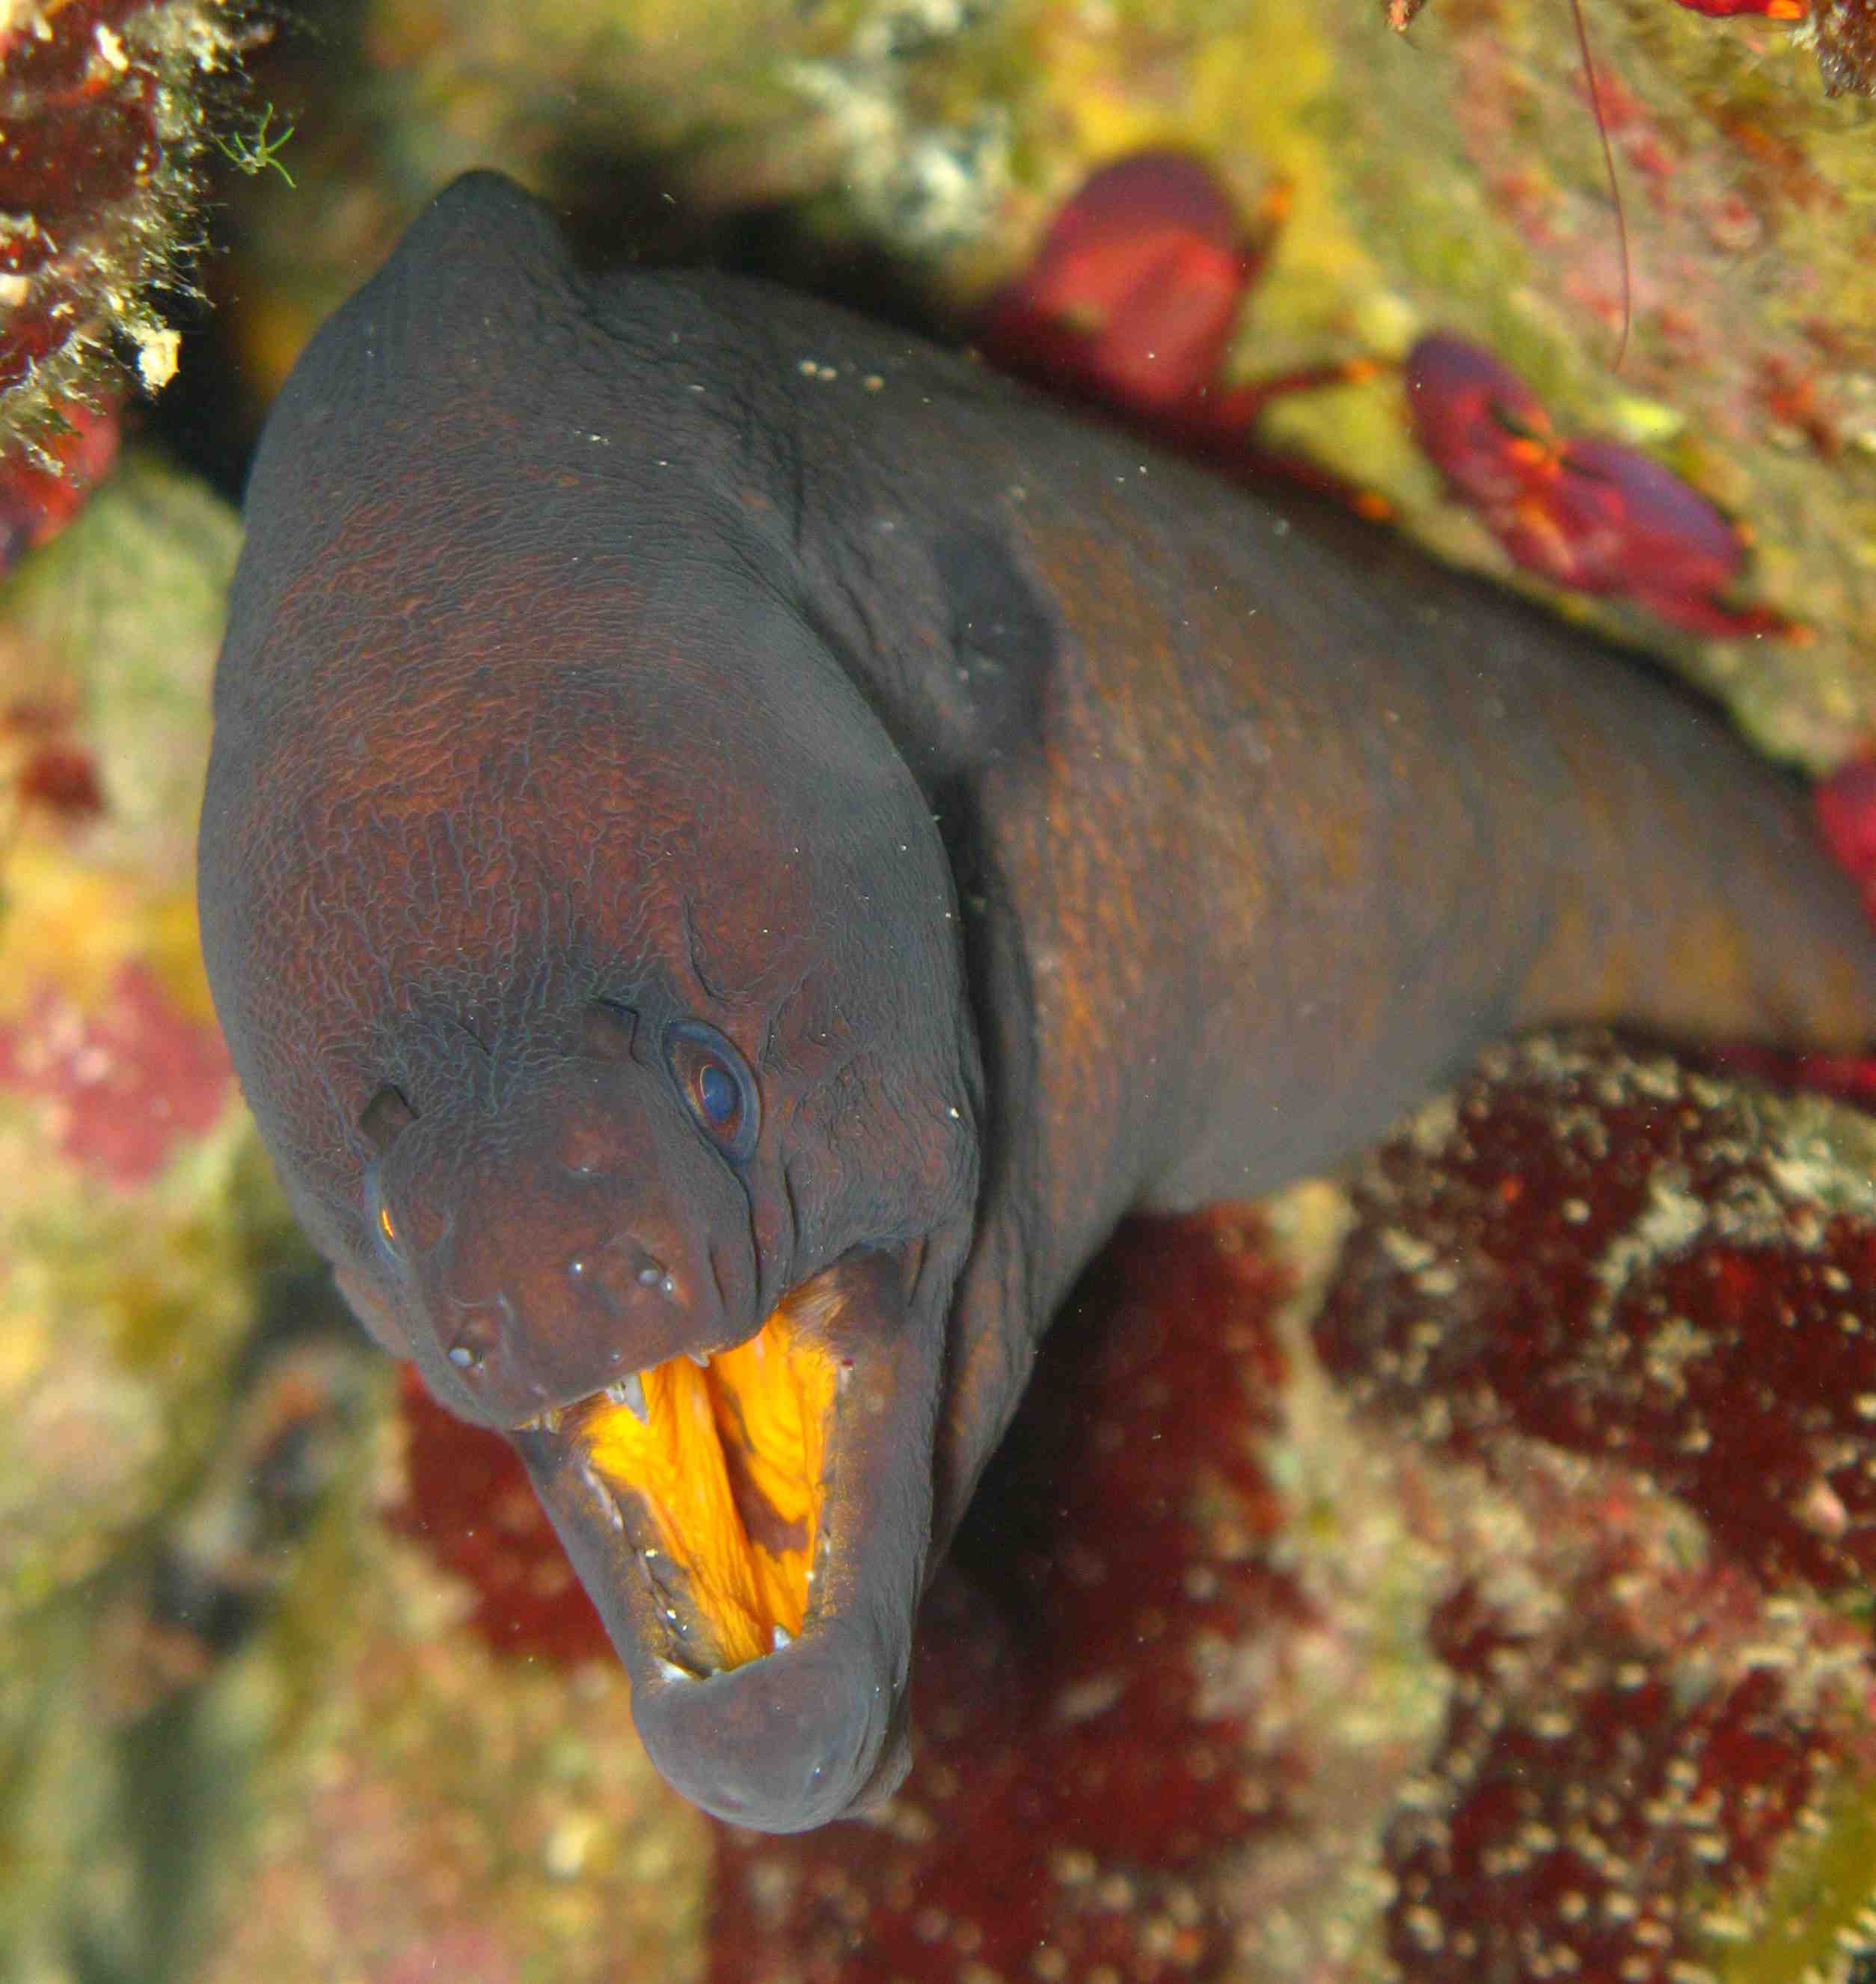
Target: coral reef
pixel 105 108
pixel 428 1809
pixel 1508 1623
pixel 1846 30
pixel 161 1460
pixel 1640 1299
pixel 111 1074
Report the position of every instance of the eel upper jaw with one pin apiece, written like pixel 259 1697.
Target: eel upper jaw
pixel 812 1726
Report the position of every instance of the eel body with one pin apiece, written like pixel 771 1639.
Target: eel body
pixel 738 846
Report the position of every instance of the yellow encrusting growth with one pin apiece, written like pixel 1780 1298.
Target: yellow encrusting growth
pixel 728 1470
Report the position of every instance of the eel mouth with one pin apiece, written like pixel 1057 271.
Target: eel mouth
pixel 752 1524
pixel 715 1465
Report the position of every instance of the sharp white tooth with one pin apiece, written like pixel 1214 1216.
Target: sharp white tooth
pixel 670 1670
pixel 608 1502
pixel 699 1358
pixel 629 1391
pixel 783 1637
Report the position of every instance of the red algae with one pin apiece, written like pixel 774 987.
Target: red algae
pixel 1608 1795
pixel 1647 1308
pixel 467 1496
pixel 123 1086
pixel 1628 1268
pixel 1068 1790
pixel 1844 805
pixel 41 492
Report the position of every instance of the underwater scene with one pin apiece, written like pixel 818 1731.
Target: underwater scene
pixel 937 991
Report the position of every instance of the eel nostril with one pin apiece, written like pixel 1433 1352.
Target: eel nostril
pixel 474 1341
pixel 600 1275
pixel 653 1274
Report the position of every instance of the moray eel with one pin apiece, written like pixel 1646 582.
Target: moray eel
pixel 739 845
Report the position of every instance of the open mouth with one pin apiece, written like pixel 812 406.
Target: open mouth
pixel 717 1465
pixel 752 1524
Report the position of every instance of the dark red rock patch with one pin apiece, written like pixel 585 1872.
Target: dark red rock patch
pixel 1068 1796
pixel 468 1498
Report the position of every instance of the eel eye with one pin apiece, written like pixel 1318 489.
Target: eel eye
pixel 718 1086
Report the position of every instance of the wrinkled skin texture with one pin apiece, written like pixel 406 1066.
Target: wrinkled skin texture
pixel 1050 829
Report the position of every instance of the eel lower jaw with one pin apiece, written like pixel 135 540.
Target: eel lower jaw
pixel 754 1539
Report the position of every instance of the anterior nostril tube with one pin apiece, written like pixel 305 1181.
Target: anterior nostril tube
pixel 474 1342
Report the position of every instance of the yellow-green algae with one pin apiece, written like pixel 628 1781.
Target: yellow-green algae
pixel 119 1309
pixel 443 1807
pixel 123 1308
pixel 1817 1920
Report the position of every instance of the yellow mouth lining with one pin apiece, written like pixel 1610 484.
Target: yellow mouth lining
pixel 728 1470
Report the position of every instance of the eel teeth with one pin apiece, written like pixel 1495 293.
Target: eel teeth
pixel 607 1500
pixel 782 1638
pixel 699 1358
pixel 670 1670
pixel 629 1391
pixel 546 1420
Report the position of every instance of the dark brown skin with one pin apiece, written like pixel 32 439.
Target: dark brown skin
pixel 1051 829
